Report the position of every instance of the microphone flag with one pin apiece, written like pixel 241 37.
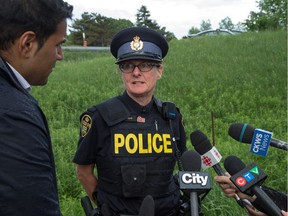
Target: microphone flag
pixel 196 181
pixel 210 158
pixel 260 142
pixel 248 177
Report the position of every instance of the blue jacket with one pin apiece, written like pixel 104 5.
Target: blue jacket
pixel 28 184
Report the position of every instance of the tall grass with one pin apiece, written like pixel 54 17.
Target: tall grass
pixel 240 78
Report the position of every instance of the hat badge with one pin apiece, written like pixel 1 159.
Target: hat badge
pixel 136 44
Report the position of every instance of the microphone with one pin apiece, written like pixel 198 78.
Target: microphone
pixel 147 207
pixel 248 180
pixel 210 156
pixel 191 161
pixel 193 181
pixel 245 133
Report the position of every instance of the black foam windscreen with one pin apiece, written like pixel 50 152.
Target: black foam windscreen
pixel 200 142
pixel 233 164
pixel 191 161
pixel 241 132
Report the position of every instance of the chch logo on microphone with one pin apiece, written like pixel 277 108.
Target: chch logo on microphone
pixel 260 142
pixel 248 177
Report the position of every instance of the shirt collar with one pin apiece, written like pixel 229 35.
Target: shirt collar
pixel 21 79
pixel 135 106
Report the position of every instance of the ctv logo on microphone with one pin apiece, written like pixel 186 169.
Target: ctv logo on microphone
pixel 260 142
pixel 250 176
pixel 247 177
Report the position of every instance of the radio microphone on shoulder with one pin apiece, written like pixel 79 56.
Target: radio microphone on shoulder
pixel 248 180
pixel 258 138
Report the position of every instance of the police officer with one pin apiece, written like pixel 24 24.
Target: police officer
pixel 133 139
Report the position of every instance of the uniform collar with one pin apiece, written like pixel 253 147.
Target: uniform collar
pixel 128 101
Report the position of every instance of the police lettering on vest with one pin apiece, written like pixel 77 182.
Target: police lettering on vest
pixel 134 143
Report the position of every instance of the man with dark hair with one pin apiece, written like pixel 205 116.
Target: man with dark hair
pixel 31 34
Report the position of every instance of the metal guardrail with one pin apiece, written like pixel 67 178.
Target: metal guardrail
pixel 213 32
pixel 88 48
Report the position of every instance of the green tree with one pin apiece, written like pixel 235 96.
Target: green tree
pixel 168 35
pixel 108 27
pixel 272 16
pixel 100 34
pixel 226 23
pixel 193 30
pixel 240 27
pixel 143 20
pixel 205 25
pixel 80 27
pixel 98 29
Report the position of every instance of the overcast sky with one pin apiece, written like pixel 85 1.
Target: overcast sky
pixel 178 16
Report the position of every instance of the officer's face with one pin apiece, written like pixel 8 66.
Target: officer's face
pixel 141 84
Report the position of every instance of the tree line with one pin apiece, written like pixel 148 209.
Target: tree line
pixel 98 30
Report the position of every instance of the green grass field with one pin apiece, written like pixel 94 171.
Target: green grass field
pixel 240 78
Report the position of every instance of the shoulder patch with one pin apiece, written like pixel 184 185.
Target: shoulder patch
pixel 86 124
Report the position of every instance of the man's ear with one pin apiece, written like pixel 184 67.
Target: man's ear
pixel 27 43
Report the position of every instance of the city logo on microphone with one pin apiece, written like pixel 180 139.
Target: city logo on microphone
pixel 250 176
pixel 196 181
pixel 260 142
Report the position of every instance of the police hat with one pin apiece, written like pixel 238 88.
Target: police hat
pixel 138 43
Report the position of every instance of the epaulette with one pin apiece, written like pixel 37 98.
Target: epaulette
pixel 113 111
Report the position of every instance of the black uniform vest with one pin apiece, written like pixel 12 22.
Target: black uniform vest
pixel 140 159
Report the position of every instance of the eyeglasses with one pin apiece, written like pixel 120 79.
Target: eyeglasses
pixel 143 67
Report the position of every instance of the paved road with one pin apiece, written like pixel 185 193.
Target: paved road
pixel 89 48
